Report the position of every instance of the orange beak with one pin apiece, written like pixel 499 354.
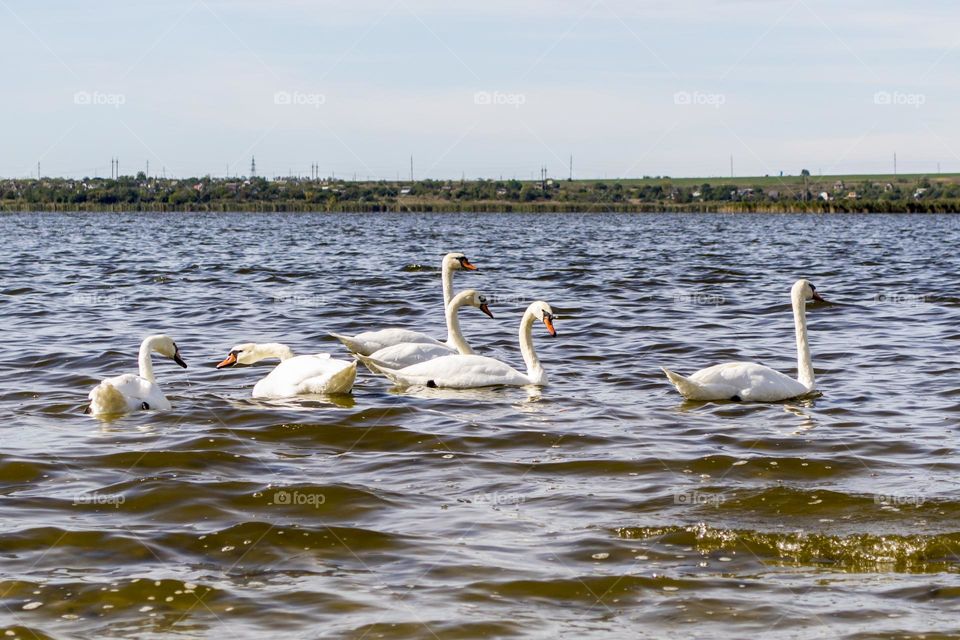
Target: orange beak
pixel 817 296
pixel 229 361
pixel 466 265
pixel 548 321
pixel 486 309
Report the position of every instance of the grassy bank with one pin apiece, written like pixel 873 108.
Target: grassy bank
pixel 820 194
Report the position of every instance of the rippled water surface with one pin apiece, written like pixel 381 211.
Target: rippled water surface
pixel 599 506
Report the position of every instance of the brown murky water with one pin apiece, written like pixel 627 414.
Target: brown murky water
pixel 600 506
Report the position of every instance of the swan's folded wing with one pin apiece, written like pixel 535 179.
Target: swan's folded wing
pixel 407 354
pixel 458 372
pixel 307 374
pixel 137 391
pixel 369 342
pixel 749 382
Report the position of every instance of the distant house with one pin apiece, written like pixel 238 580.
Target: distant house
pixel 501 192
pixel 773 194
pixel 825 196
pixel 838 185
pixel 405 191
pixel 852 195
pixel 888 187
pixel 696 194
pixel 919 192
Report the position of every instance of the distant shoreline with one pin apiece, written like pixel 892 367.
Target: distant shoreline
pixel 766 194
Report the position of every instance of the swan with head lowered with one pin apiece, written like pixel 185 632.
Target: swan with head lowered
pixel 131 392
pixel 370 341
pixel 473 371
pixel 751 382
pixel 295 375
pixel 398 356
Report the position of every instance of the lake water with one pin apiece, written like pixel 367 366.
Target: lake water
pixel 600 506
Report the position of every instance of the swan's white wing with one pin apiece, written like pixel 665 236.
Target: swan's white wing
pixel 307 374
pixel 369 342
pixel 458 372
pixel 135 391
pixel 407 354
pixel 747 381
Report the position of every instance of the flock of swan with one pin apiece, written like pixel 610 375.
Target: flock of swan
pixel 410 358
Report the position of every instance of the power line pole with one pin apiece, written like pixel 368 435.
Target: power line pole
pixel 38 169
pixel 731 165
pixel 148 169
pixel 411 167
pixel 571 168
pixel 894 163
pixel 253 166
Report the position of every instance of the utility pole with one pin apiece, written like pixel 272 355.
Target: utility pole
pixel 38 169
pixel 148 169
pixel 894 163
pixel 411 167
pixel 731 165
pixel 570 179
pixel 253 166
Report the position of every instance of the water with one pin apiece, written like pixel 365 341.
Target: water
pixel 601 506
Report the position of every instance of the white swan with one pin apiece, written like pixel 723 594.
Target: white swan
pixel 370 341
pixel 472 371
pixel 752 382
pixel 403 355
pixel 130 392
pixel 295 375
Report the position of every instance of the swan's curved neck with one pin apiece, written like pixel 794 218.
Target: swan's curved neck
pixel 455 338
pixel 447 276
pixel 273 350
pixel 534 369
pixel 804 366
pixel 145 361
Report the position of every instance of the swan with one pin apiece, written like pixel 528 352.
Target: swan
pixel 295 375
pixel 370 341
pixel 130 392
pixel 472 371
pixel 398 356
pixel 751 382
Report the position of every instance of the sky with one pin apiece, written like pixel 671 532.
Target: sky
pixel 489 89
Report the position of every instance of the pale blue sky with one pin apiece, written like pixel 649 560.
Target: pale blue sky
pixel 628 87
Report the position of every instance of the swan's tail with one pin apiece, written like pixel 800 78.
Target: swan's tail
pixel 378 367
pixel 342 381
pixel 106 399
pixel 349 343
pixel 686 387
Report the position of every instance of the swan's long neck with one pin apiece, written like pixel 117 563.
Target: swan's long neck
pixel 534 369
pixel 145 361
pixel 274 350
pixel 455 338
pixel 804 366
pixel 447 276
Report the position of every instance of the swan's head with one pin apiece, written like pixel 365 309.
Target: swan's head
pixel 543 312
pixel 251 353
pixel 457 261
pixel 476 299
pixel 805 290
pixel 165 346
